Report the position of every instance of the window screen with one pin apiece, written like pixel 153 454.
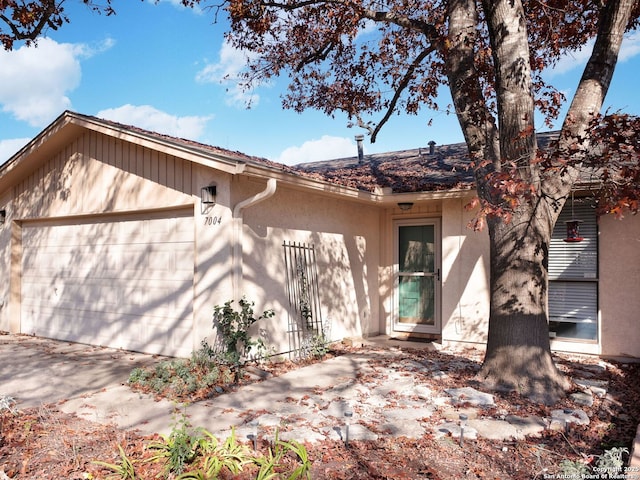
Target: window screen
pixel 573 277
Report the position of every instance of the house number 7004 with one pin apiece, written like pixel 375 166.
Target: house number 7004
pixel 212 220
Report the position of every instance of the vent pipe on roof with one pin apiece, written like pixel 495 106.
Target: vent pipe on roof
pixel 432 147
pixel 359 139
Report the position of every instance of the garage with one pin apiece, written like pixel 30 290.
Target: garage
pixel 118 281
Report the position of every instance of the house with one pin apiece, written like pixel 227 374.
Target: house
pixel 117 236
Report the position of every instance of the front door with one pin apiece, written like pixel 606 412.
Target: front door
pixel 417 303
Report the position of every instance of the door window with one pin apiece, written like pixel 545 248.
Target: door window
pixel 417 278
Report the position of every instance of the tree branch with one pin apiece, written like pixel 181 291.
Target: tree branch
pixel 20 31
pixel 476 121
pixel 402 21
pixel 401 87
pixel 598 72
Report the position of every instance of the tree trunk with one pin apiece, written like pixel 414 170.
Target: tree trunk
pixel 518 353
pixel 518 348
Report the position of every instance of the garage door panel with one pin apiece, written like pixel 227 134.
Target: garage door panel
pixel 117 282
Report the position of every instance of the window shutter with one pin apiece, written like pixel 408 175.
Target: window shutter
pixel 577 260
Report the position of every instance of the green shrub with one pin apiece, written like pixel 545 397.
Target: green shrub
pixel 139 376
pixel 207 365
pixel 179 448
pixel 124 469
pixel 232 328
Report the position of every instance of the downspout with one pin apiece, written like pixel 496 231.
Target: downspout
pixel 238 233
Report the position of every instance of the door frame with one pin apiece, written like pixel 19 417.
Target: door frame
pixel 396 326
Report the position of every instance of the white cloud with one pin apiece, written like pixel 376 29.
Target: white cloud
pixel 630 48
pixel 150 118
pixel 10 147
pixel 571 61
pixel 227 72
pixel 178 4
pixel 326 148
pixel 35 81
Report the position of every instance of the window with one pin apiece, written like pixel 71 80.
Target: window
pixel 573 277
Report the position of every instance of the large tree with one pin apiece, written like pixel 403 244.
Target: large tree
pixel 26 21
pixel 377 57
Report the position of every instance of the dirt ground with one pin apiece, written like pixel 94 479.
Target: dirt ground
pixel 44 443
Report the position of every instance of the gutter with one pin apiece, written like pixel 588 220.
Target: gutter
pixel 238 234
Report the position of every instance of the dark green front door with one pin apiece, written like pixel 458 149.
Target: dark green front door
pixel 417 278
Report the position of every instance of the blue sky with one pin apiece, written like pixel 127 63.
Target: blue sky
pixel 161 67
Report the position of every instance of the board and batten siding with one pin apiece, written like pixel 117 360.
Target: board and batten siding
pixel 89 180
pixel 95 173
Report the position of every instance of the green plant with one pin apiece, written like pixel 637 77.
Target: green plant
pixel 138 375
pixel 123 469
pixel 202 358
pixel 611 461
pixel 210 470
pixel 271 463
pixel 318 346
pixel 232 327
pixel 299 450
pixel 7 403
pixel 229 455
pixel 179 448
pixel 573 469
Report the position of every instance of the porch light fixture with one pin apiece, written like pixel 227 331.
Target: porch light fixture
pixel 208 195
pixel 3 216
pixel 404 206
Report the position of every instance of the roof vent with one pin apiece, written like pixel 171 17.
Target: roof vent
pixel 432 147
pixel 359 139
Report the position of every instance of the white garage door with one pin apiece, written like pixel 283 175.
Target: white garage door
pixel 123 282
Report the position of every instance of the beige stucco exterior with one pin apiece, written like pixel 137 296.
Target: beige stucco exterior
pixel 619 270
pixel 92 176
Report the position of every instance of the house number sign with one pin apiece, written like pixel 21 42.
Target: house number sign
pixel 216 220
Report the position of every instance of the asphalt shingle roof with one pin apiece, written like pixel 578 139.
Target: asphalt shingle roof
pixel 414 170
pixel 405 171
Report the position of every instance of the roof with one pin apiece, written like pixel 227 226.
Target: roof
pixel 405 171
pixel 420 170
pixel 444 167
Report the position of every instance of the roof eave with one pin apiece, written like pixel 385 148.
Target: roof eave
pixel 382 196
pixel 70 124
pixel 228 164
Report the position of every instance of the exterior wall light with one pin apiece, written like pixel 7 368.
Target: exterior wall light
pixel 208 195
pixel 3 216
pixel 404 206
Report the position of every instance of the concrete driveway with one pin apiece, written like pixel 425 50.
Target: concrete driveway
pixel 91 383
pixel 36 371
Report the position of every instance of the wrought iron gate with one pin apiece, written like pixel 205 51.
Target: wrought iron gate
pixel 305 318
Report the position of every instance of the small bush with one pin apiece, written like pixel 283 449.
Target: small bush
pixel 139 376
pixel 232 330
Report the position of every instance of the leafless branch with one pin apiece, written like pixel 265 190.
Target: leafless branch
pixel 401 87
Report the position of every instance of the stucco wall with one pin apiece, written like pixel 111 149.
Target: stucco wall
pixel 619 271
pixel 465 280
pixel 346 240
